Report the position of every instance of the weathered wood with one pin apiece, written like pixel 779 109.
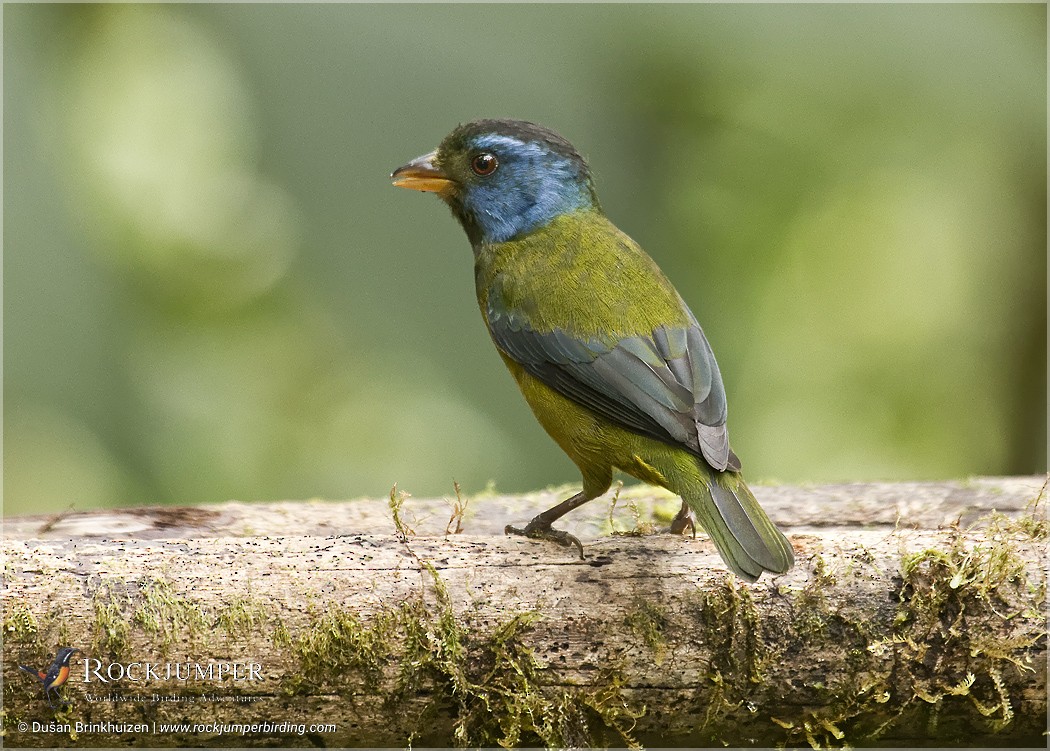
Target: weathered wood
pixel 896 626
pixel 925 505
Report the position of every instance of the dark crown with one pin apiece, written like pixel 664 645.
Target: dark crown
pixel 521 130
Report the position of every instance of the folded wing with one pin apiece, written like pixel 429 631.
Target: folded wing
pixel 665 385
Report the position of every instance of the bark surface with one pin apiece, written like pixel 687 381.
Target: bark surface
pixel 915 615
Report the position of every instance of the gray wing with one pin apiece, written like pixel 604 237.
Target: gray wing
pixel 666 385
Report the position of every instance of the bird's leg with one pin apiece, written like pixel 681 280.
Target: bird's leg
pixel 683 520
pixel 540 526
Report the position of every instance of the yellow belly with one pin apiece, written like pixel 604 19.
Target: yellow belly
pixel 595 444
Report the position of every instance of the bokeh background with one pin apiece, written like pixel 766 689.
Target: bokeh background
pixel 211 290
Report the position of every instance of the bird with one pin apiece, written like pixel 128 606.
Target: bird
pixel 606 352
pixel 56 675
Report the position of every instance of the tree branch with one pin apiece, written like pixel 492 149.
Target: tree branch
pixel 914 615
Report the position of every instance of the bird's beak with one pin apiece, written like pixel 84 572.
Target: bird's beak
pixel 422 174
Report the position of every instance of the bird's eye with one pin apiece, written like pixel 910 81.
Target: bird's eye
pixel 484 164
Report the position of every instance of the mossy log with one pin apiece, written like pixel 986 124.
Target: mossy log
pixel 914 616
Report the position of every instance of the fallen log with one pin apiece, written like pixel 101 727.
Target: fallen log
pixel 915 615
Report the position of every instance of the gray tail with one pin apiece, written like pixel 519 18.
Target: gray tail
pixel 31 671
pixel 746 539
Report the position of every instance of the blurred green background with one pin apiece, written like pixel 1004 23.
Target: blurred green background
pixel 211 290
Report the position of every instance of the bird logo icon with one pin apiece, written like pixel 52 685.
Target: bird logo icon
pixel 55 676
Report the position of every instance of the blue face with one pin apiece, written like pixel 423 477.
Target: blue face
pixel 509 187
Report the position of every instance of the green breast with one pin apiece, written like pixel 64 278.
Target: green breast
pixel 579 274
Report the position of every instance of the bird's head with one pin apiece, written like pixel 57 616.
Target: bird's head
pixel 66 654
pixel 503 178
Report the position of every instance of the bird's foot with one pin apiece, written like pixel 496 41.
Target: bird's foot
pixel 540 529
pixel 682 521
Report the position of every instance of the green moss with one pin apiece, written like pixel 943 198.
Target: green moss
pixel 111 632
pixel 499 697
pixel 958 628
pixel 35 641
pixel 281 637
pixel 434 648
pixel 397 504
pixel 20 624
pixel 458 510
pixel 489 491
pixel 336 648
pixel 489 682
pixel 242 616
pixel 23 630
pixel 162 615
pixel 1033 523
pixel 649 621
pixel 739 654
pixel 810 605
pixel 639 528
pixel 734 632
pixel 161 612
pixel 952 603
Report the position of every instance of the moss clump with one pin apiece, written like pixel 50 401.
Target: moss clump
pixel 955 606
pixel 1033 523
pixel 498 695
pixel 649 621
pixel 35 641
pixel 153 606
pixel 20 624
pixel 164 613
pixel 490 685
pixel 158 610
pixel 336 648
pixel 281 637
pixel 734 632
pixel 433 646
pixel 639 528
pixel 739 654
pixel 810 604
pixel 241 617
pixel 21 628
pixel 111 633
pixel 957 628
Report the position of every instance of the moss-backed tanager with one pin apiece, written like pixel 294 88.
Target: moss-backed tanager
pixel 609 357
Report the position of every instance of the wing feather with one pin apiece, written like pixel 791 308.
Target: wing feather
pixel 665 385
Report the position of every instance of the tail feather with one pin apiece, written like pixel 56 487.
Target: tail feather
pixel 746 539
pixel 38 674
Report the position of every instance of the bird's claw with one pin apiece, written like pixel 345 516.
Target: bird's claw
pixel 682 521
pixel 538 529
